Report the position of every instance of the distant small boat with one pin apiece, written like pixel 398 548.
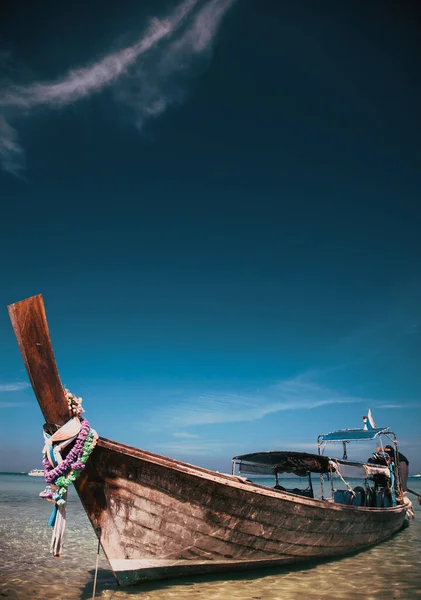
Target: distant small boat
pixel 36 473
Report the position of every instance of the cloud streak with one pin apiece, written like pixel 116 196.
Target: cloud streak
pixel 147 76
pixel 398 406
pixel 13 387
pixel 298 393
pixel 203 447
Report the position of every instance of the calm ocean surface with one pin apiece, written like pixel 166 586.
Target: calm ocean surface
pixel 391 570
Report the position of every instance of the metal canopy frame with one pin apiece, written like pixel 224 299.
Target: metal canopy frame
pixel 345 436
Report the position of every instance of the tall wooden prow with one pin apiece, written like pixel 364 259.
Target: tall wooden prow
pixel 31 329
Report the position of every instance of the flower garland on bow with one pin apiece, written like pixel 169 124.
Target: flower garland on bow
pixel 74 403
pixel 60 472
pixel 67 471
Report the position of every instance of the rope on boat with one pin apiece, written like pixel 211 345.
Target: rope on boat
pixel 60 472
pixel 415 494
pixel 335 466
pixel 96 569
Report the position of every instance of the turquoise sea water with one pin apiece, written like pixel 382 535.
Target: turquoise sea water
pixel 391 570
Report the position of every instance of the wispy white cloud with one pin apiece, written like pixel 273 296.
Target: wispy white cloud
pixel 185 435
pixel 14 387
pixel 203 447
pixel 151 73
pixel 402 406
pixel 299 393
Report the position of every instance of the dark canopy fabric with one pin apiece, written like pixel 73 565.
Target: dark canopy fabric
pixel 302 463
pixel 279 461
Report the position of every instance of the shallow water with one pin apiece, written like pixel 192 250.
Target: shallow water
pixel 391 570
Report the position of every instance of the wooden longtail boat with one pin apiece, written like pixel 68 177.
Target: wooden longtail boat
pixel 159 518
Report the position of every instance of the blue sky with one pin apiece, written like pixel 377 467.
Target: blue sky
pixel 220 202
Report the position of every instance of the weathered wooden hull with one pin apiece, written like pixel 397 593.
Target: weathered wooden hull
pixel 160 518
pixel 156 517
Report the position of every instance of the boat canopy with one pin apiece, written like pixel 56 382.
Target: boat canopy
pixel 278 461
pixel 303 463
pixel 349 435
